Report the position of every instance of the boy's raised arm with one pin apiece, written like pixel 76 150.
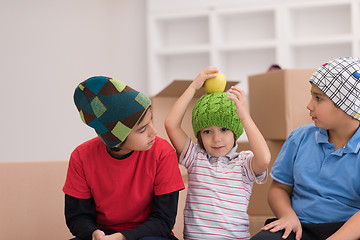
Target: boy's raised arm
pixel 173 120
pixel 257 142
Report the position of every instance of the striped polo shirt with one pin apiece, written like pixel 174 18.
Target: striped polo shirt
pixel 218 193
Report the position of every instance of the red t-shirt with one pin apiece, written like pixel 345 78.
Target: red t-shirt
pixel 122 189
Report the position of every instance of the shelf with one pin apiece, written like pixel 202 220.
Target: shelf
pixel 182 30
pixel 316 55
pixel 248 45
pixel 320 20
pixel 243 39
pixel 335 39
pixel 237 27
pixel 202 48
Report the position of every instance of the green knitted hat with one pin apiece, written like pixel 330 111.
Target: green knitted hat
pixel 215 109
pixel 110 107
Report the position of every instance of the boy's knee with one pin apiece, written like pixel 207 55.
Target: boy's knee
pixel 267 235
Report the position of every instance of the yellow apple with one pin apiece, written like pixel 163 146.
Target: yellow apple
pixel 215 84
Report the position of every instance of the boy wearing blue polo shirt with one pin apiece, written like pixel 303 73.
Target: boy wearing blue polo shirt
pixel 315 193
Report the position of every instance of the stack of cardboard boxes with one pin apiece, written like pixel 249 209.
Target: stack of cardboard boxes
pixel 277 103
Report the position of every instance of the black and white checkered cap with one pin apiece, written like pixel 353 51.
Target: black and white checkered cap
pixel 339 79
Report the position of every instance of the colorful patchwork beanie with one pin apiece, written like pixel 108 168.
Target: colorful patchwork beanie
pixel 339 79
pixel 110 107
pixel 215 109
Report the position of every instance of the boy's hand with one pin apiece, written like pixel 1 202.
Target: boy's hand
pixel 203 75
pixel 240 100
pixel 115 236
pixel 100 235
pixel 289 224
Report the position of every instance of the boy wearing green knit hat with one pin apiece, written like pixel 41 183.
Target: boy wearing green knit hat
pixel 220 179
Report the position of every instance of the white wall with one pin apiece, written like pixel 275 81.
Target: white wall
pixel 46 49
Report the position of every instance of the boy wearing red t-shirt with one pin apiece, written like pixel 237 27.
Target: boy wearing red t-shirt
pixel 125 183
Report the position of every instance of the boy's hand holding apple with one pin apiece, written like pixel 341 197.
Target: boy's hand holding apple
pixel 215 84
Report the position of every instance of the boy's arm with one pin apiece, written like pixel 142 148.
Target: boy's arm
pixel 257 142
pixel 349 231
pixel 80 216
pixel 173 120
pixel 279 201
pixel 161 220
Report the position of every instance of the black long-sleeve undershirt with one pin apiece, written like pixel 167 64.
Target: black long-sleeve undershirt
pixel 80 215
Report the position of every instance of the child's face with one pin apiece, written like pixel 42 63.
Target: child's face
pixel 217 141
pixel 323 111
pixel 141 138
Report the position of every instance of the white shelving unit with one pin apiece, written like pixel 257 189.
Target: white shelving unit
pixel 320 31
pixel 245 37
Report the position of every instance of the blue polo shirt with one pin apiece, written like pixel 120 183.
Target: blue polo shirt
pixel 326 183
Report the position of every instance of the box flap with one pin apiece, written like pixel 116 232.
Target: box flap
pixel 177 87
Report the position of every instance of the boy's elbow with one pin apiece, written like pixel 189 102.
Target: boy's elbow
pixel 268 158
pixel 264 163
pixel 167 124
pixel 170 128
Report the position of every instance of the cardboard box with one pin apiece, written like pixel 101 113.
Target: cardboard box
pixel 278 100
pixel 258 205
pixel 164 100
